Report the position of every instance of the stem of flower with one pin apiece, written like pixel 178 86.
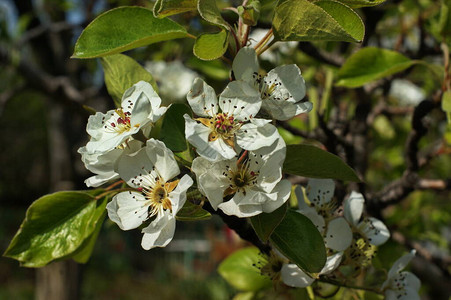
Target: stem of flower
pixel 264 40
pixel 241 158
pixel 264 48
pixel 114 184
pixel 191 36
pixel 111 192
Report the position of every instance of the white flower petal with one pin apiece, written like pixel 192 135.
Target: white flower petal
pixel 285 110
pixel 131 210
pixel 406 294
pixel 375 230
pixel 320 191
pixel 98 180
pixel 401 263
pixel 136 164
pixel 353 207
pixel 96 123
pixel 178 195
pixel 162 158
pixel 255 135
pixel 197 134
pixel 159 233
pixel 332 263
pixel 293 276
pixel 283 191
pixel 211 182
pixel 338 235
pixel 245 64
pixel 141 106
pixel 411 281
pixel 270 159
pixel 291 82
pixel 202 99
pixel 308 211
pixel 112 208
pixel 240 100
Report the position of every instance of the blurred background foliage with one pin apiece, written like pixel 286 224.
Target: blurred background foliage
pixel 43 123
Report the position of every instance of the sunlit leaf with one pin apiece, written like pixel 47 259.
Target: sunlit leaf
pixel 122 29
pixel 369 64
pixel 362 3
pixel 240 271
pixel 209 46
pixel 121 72
pixel 84 252
pixel 210 12
pixel 55 226
pixel 302 20
pixel 164 8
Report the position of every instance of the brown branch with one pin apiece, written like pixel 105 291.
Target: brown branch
pixel 241 226
pixel 442 262
pixel 410 181
pixel 40 30
pixel 56 86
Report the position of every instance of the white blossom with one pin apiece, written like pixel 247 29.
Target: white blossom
pixel 156 197
pixel 281 90
pixel 224 122
pixel 173 78
pixel 401 285
pixel 103 164
pixel 293 276
pixel 140 108
pixel 320 210
pixel 370 228
pixel 251 181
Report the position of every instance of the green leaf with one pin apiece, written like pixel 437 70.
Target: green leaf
pixel 250 13
pixel 446 101
pixel 173 128
pixel 239 270
pixel 192 212
pixel 446 105
pixel 298 239
pixel 311 161
pixel 164 8
pixel 361 3
pixel 210 12
pixel 84 252
pixel 121 72
pixel 209 46
pixel 55 226
pixel 370 64
pixel 302 20
pixel 122 29
pixel 265 223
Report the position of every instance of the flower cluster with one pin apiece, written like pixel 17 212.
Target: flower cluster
pixel 149 169
pixel 240 154
pixel 238 170
pixel 349 238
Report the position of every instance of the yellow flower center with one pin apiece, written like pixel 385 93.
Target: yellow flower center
pixel 222 126
pixel 158 196
pixel 240 178
pixel 121 124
